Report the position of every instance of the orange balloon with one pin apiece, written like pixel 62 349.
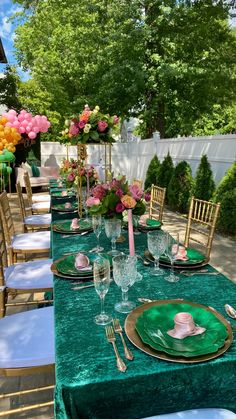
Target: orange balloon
pixel 4 120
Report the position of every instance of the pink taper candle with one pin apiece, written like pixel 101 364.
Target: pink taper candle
pixel 87 173
pixel 131 233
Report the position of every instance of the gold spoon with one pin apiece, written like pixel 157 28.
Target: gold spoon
pixel 230 311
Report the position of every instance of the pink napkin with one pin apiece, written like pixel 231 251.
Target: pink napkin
pixel 143 219
pixel 74 224
pixel 68 205
pixel 64 193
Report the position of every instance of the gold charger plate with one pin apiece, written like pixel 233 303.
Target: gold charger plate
pixel 136 340
pixel 183 266
pixel 71 277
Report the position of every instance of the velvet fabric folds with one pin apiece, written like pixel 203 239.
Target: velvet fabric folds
pixel 88 384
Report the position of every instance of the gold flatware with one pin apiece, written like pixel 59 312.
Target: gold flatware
pixel 83 286
pixel 197 271
pixel 230 311
pixel 111 338
pixel 118 329
pixel 201 273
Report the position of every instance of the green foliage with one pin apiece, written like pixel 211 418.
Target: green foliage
pixel 165 173
pixel 152 171
pixel 204 183
pixel 227 183
pixel 227 217
pixel 9 89
pixel 180 187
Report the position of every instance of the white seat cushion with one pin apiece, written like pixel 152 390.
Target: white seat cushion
pixel 27 339
pixel 41 206
pixel 30 275
pixel 41 198
pixel 213 413
pixel 38 219
pixel 34 241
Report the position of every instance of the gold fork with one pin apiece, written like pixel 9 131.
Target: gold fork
pixel 118 329
pixel 111 338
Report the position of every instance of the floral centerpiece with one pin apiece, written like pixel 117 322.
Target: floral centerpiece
pixel 90 126
pixel 72 169
pixel 112 199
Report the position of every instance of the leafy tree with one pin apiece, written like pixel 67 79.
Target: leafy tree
pixel 9 89
pixel 226 195
pixel 204 183
pixel 180 187
pixel 165 173
pixel 151 175
pixel 227 183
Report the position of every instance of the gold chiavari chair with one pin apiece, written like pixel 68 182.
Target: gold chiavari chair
pixel 27 347
pixel 35 221
pixel 25 243
pixel 157 202
pixel 22 278
pixel 201 224
pixel 137 182
pixel 37 203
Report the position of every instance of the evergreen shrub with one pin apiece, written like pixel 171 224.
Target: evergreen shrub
pixel 204 183
pixel 151 175
pixel 180 187
pixel 165 173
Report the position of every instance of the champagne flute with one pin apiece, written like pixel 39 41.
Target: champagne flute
pixel 172 248
pixel 113 231
pixel 97 228
pixel 124 274
pixel 101 277
pixel 156 246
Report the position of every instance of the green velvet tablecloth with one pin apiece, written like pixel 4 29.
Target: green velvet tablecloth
pixel 88 384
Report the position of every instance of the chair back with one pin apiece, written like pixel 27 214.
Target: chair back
pixel 137 182
pixel 21 201
pixel 157 202
pixel 28 188
pixel 201 224
pixel 7 220
pixel 3 255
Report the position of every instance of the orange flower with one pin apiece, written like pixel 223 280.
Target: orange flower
pixel 128 201
pixel 85 116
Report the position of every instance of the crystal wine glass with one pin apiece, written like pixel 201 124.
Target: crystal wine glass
pixel 101 276
pixel 172 248
pixel 113 231
pixel 124 274
pixel 156 246
pixel 97 228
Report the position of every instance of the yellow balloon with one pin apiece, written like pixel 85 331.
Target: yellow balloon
pixel 4 120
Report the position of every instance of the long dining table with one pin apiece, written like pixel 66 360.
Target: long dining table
pixel 88 383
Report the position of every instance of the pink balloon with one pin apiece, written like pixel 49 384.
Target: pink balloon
pixel 10 117
pixel 22 130
pixel 21 118
pixel 24 123
pixel 32 135
pixel 27 129
pixel 35 129
pixel 23 112
pixel 8 124
pixel 12 111
pixel 16 124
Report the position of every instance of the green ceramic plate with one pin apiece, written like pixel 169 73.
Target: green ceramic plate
pixel 66 266
pixel 61 207
pixel 152 326
pixel 58 194
pixel 150 225
pixel 64 226
pixel 194 257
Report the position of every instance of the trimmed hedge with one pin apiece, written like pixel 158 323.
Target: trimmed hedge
pixel 151 175
pixel 204 184
pixel 180 187
pixel 165 173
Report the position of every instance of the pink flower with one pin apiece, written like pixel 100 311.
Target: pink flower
pixel 81 124
pixel 73 130
pixel 119 193
pixel 102 126
pixel 147 197
pixel 114 184
pixel 120 207
pixel 82 172
pixel 136 192
pixel 115 119
pixel 92 201
pixel 71 177
pixel 99 192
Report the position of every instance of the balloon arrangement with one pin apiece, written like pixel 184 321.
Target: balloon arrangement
pixel 13 125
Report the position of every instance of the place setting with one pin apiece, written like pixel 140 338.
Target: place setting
pixel 67 207
pixel 64 193
pixel 72 227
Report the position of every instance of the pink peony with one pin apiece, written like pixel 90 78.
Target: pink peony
pixel 136 192
pixel 81 124
pixel 102 126
pixel 115 184
pixel 120 207
pixel 115 119
pixel 92 201
pixel 73 130
pixel 147 197
pixel 99 192
pixel 119 193
pixel 71 177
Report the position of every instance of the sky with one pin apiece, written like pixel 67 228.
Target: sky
pixel 7 9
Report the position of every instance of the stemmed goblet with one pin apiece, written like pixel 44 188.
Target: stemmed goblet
pixel 172 248
pixel 156 246
pixel 101 277
pixel 97 228
pixel 113 231
pixel 124 274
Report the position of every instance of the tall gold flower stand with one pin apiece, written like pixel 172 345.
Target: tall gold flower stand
pixel 82 155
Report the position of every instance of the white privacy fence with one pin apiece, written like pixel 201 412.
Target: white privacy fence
pixel 133 158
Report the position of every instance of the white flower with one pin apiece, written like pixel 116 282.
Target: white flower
pixel 87 128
